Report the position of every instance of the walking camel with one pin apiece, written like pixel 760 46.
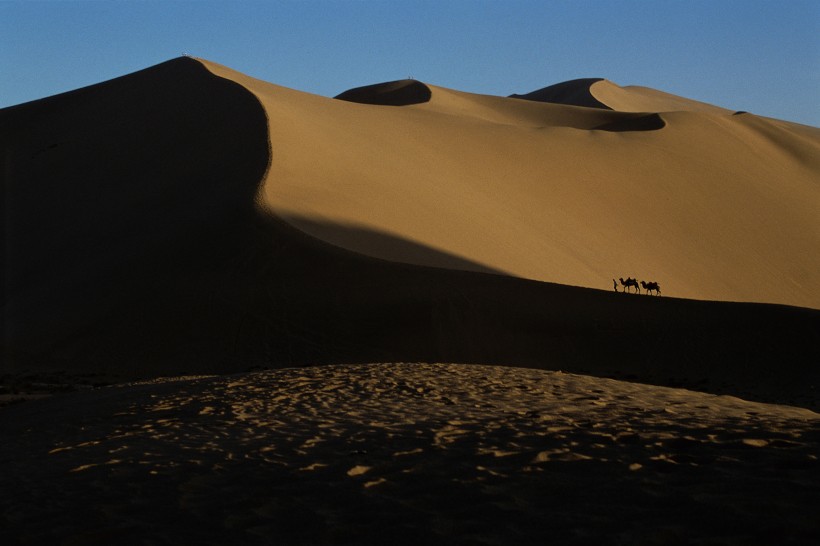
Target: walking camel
pixel 651 287
pixel 630 282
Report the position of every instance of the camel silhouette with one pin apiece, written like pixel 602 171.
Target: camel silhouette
pixel 651 286
pixel 630 282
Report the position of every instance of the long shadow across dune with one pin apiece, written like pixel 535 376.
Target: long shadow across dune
pixel 137 249
pixel 389 247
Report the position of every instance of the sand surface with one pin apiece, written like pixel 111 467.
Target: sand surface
pixel 407 454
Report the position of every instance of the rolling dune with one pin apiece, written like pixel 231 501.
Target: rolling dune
pixel 713 206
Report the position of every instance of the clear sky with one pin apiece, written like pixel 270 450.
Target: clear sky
pixel 757 55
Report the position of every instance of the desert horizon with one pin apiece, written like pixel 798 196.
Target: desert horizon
pixel 239 312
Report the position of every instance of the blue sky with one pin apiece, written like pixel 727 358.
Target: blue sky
pixel 755 55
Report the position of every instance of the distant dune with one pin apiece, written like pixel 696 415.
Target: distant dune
pixel 191 218
pixel 601 93
pixel 574 92
pixel 398 93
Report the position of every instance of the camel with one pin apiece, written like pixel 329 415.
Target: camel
pixel 651 286
pixel 630 282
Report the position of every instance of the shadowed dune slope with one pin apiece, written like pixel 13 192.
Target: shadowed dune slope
pixel 188 218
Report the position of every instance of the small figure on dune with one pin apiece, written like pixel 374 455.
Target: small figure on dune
pixel 630 282
pixel 651 286
pixel 615 285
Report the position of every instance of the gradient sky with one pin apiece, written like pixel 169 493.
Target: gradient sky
pixel 755 55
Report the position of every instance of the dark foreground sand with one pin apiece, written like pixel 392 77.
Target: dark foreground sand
pixel 407 454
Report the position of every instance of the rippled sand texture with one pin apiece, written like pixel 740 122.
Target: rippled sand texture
pixel 407 454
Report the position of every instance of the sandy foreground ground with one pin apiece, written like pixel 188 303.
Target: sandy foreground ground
pixel 407 454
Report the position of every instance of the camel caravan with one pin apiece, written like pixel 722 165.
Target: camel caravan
pixel 648 287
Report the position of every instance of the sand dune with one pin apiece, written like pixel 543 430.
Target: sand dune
pixel 574 92
pixel 188 219
pixel 634 98
pixel 398 93
pixel 601 93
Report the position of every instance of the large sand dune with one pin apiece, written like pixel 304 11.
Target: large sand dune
pixel 178 219
pixel 188 219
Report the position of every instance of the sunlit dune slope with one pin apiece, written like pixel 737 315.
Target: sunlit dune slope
pixel 634 98
pixel 710 205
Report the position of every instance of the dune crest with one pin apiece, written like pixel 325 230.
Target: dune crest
pixel 635 98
